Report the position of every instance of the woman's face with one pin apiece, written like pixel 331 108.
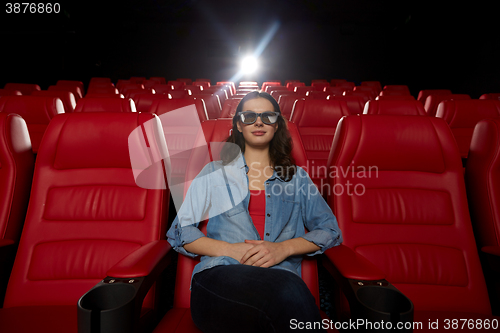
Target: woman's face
pixel 258 134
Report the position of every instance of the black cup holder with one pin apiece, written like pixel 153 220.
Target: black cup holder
pixel 384 300
pixel 379 301
pixel 107 308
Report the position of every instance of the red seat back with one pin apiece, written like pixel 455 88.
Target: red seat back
pixel 463 115
pixel 67 98
pixel 229 107
pixel 86 212
pixel 71 83
pixel 422 95
pixel 401 203
pixel 73 89
pixel 212 104
pixel 88 104
pixel 37 111
pixel 432 101
pixel 395 107
pixel 316 121
pixel 161 106
pixel 24 88
pixel 355 104
pixel 16 172
pixel 10 92
pixel 482 176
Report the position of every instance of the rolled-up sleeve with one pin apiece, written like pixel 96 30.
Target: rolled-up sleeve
pixel 184 229
pixel 318 217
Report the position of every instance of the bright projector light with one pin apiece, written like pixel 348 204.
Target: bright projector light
pixel 249 65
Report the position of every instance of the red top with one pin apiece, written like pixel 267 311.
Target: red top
pixel 257 210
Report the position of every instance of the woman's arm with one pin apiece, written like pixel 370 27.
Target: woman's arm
pixel 205 246
pixel 267 254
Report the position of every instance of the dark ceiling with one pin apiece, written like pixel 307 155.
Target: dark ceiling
pixel 425 44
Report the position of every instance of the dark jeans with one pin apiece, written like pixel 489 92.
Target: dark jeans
pixel 241 298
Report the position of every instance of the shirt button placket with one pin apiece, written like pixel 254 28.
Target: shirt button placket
pixel 268 214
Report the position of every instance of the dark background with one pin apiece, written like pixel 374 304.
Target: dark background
pixel 424 44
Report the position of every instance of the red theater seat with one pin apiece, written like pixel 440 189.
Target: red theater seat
pixel 37 111
pixel 335 91
pixel 291 85
pixel 483 189
pixel 67 98
pixel 10 92
pixel 490 96
pixel 395 108
pixel 317 94
pixel 432 101
pixel 105 105
pixel 87 220
pixel 24 88
pixel 422 95
pixel 303 90
pixel 70 83
pixel 132 93
pixel 317 120
pixel 372 91
pixel 320 85
pixel 164 88
pixel 212 104
pixel 229 83
pixel 175 85
pixel 333 82
pixel 399 196
pixel 287 103
pixel 463 115
pixel 161 106
pixel 365 95
pixel 143 102
pixel 178 319
pixel 160 80
pixel 397 87
pixel 186 81
pixel 137 79
pixel 16 172
pixel 203 84
pixel 375 84
pixel 72 89
pixel 395 98
pixel 355 104
pixel 229 108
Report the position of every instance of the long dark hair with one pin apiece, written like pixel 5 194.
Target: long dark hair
pixel 280 147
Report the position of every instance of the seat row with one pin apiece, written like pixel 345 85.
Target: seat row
pixel 91 230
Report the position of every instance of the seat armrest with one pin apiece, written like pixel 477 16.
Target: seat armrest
pixel 115 303
pixel 352 265
pixel 370 296
pixel 142 261
pixel 493 250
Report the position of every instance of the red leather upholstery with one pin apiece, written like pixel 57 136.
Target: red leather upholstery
pixel 36 111
pixel 422 95
pixel 78 84
pixel 73 89
pixel 229 83
pixel 86 213
pixel 375 84
pixel 16 172
pixel 67 98
pixel 143 102
pixel 24 88
pixel 229 108
pixel 482 178
pixel 490 96
pixel 287 103
pixel 317 94
pixel 158 79
pixel 365 95
pixel 432 101
pixel 317 121
pixel 404 208
pixel 178 319
pixel 161 106
pixel 132 93
pixel 372 90
pixel 355 104
pixel 463 115
pixel 397 87
pixel 105 105
pixel 212 104
pixel 10 92
pixel 395 98
pixel 397 107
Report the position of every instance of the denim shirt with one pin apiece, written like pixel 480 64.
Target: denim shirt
pixel 218 192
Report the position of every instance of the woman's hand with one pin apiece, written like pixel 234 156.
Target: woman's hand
pixel 264 253
pixel 238 250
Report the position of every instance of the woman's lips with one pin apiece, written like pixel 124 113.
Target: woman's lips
pixel 258 133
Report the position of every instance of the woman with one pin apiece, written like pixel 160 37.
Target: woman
pixel 259 202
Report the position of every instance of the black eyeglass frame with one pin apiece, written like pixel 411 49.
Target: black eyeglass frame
pixel 257 115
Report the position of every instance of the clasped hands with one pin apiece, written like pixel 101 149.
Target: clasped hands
pixel 259 253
